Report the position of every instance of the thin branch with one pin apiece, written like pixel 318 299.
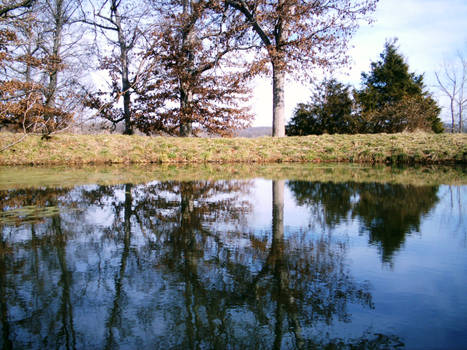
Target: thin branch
pixel 14 143
pixel 25 132
pixel 8 8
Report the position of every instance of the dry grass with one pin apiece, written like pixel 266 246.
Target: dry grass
pixel 405 148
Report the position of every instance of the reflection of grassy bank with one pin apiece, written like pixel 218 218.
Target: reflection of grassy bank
pixel 25 177
pixel 98 149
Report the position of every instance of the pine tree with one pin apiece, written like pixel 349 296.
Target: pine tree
pixel 329 112
pixel 395 100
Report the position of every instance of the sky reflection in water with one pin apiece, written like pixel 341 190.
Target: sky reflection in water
pixel 234 264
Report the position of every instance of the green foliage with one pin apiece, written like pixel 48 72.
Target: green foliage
pixel 329 112
pixel 388 81
pixel 410 113
pixel 392 100
pixel 395 100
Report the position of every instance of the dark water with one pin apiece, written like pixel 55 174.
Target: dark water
pixel 241 264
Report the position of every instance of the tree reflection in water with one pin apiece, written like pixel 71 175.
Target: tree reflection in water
pixel 39 301
pixel 171 265
pixel 308 281
pixel 388 212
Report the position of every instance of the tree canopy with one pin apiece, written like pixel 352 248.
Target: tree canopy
pixel 330 111
pixel 198 80
pixel 393 99
pixel 183 67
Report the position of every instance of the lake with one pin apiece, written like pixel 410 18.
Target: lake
pixel 233 257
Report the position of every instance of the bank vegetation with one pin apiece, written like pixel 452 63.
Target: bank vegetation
pixel 67 149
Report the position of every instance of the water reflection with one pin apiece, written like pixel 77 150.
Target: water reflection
pixel 309 283
pixel 30 304
pixel 176 265
pixel 387 212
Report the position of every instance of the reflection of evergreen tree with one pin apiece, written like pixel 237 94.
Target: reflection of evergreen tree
pixel 387 212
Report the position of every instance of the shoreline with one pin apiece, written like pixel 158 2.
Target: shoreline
pixel 72 149
pixel 21 177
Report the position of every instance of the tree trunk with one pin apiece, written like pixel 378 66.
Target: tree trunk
pixel 124 64
pixel 462 101
pixel 186 94
pixel 126 101
pixel 461 107
pixel 278 103
pixel 57 43
pixel 453 122
pixel 461 126
pixel 186 127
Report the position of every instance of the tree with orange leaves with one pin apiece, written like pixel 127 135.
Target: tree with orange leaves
pixel 295 36
pixel 26 102
pixel 196 82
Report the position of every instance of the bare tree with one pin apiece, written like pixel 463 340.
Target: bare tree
pixel 452 81
pixel 58 14
pixel 64 44
pixel 122 24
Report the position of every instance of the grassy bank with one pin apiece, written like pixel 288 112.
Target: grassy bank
pixel 406 148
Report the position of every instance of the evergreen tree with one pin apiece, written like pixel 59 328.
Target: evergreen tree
pixel 395 100
pixel 329 112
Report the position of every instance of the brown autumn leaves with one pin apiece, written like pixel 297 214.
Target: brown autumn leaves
pixel 178 67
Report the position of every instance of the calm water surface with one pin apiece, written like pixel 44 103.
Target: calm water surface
pixel 239 264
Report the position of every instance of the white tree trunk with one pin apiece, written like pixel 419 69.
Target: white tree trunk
pixel 278 101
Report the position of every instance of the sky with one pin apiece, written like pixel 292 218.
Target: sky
pixel 429 33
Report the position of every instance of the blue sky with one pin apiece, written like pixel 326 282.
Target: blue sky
pixel 429 32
